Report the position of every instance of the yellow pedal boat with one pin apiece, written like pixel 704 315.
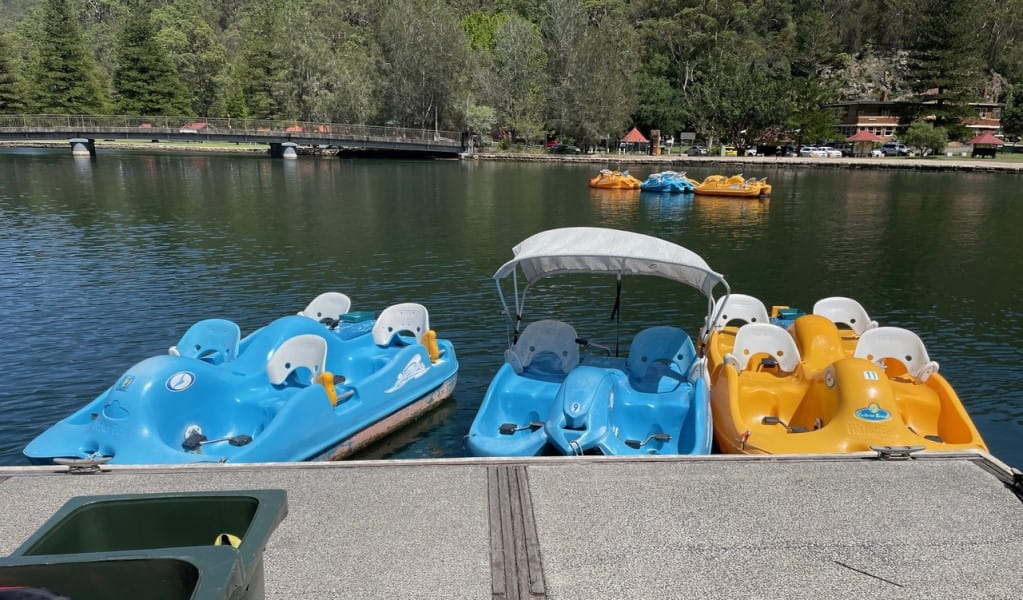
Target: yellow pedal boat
pixel 735 186
pixel 814 388
pixel 615 180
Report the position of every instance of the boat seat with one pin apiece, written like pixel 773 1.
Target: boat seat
pixel 548 335
pixel 739 306
pixel 844 311
pixel 211 340
pixel 764 338
pixel 307 351
pixel 406 317
pixel 900 344
pixel 328 305
pixel 659 352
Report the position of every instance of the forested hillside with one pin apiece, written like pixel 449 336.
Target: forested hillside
pixel 584 70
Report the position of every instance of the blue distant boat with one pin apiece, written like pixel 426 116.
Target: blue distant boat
pixel 668 182
pixel 302 386
pixel 548 396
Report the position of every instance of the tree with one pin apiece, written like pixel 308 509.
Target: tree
pixel 145 82
pixel 517 82
pixel 927 137
pixel 11 92
pixel 944 63
pixel 263 69
pixel 427 54
pixel 196 52
pixel 65 76
pixel 1012 116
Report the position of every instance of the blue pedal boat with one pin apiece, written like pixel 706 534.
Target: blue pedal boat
pixel 550 397
pixel 668 182
pixel 319 384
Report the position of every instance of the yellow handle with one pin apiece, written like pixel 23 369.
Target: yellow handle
pixel 430 341
pixel 326 379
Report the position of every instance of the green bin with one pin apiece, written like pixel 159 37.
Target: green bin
pixel 156 526
pixel 201 573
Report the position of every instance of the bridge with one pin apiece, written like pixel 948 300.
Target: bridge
pixel 282 137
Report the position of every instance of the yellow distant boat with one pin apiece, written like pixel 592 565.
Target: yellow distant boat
pixel 735 186
pixel 818 388
pixel 615 180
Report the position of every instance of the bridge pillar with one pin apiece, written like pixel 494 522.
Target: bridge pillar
pixel 283 150
pixel 82 147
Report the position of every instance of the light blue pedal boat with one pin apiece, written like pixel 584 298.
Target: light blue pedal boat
pixel 321 383
pixel 548 397
pixel 668 182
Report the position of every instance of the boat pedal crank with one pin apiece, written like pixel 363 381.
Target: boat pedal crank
pixel 895 452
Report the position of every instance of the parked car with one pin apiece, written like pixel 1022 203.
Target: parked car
pixel 812 152
pixel 696 151
pixel 894 149
pixel 831 152
pixel 751 151
pixel 564 149
pixel 876 153
pixel 731 151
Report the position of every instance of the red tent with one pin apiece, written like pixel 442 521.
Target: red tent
pixel 986 138
pixel 635 137
pixel 863 135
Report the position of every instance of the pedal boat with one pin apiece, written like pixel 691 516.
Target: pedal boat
pixel 816 389
pixel 557 392
pixel 735 186
pixel 321 383
pixel 614 180
pixel 667 182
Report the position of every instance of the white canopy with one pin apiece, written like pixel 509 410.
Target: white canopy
pixel 599 250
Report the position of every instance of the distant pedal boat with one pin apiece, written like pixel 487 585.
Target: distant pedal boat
pixel 302 386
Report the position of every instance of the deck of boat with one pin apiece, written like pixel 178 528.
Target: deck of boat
pixel 944 526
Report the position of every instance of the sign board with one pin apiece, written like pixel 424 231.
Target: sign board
pixel 686 136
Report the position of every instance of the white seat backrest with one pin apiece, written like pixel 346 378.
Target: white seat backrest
pixel 900 344
pixel 757 338
pixel 739 306
pixel 845 311
pixel 328 305
pixel 307 350
pixel 410 317
pixel 548 335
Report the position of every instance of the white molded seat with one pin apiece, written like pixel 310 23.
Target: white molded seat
pixel 739 306
pixel 548 335
pixel 900 344
pixel 409 317
pixel 307 350
pixel 328 305
pixel 212 340
pixel 846 311
pixel 757 338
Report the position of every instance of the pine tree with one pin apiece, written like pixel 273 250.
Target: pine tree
pixel 944 65
pixel 65 73
pixel 145 83
pixel 10 85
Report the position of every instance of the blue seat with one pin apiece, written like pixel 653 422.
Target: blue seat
pixel 659 352
pixel 211 340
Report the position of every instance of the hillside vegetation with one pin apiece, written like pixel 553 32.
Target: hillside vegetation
pixel 583 70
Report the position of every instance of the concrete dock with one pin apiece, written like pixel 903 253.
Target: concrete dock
pixel 935 526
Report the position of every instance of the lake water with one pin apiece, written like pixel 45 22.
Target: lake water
pixel 105 262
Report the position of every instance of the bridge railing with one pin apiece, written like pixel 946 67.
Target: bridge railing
pixel 228 126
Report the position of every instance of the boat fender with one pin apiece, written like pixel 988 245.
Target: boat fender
pixel 326 379
pixel 430 341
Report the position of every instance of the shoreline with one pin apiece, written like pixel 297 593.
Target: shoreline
pixel 918 164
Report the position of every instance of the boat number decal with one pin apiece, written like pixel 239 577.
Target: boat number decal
pixel 180 381
pixel 125 382
pixel 873 413
pixel 575 407
pixel 414 369
pixel 871 376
